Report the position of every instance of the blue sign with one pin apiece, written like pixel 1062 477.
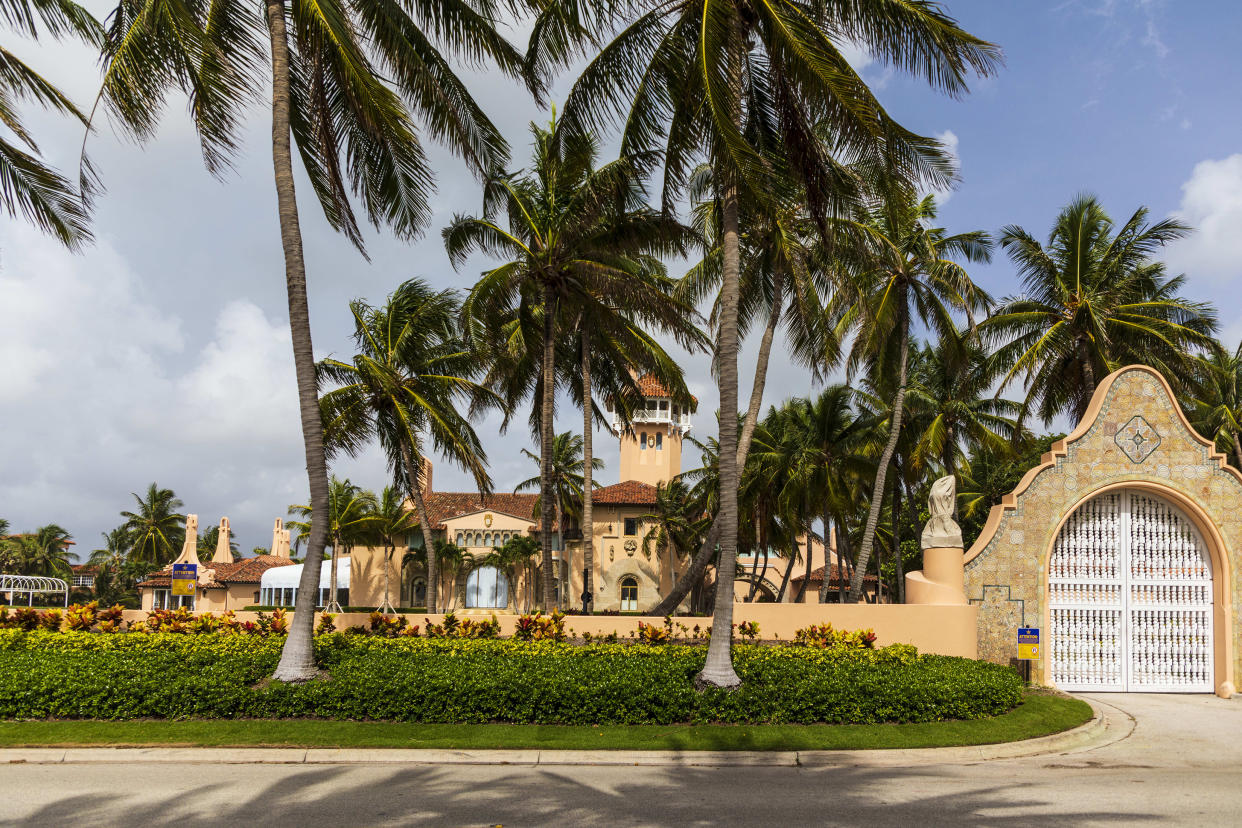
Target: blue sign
pixel 1028 643
pixel 184 578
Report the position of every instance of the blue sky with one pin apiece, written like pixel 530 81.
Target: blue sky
pixel 162 352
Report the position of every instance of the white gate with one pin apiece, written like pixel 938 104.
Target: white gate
pixel 1130 599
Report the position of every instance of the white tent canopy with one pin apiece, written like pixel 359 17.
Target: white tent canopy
pixel 279 585
pixel 30 584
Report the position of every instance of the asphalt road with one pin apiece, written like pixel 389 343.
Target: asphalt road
pixel 1181 764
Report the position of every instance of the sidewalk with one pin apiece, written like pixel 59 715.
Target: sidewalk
pixel 1106 725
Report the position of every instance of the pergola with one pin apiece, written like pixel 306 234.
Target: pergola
pixel 30 584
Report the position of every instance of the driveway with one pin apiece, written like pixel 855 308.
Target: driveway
pixel 1169 760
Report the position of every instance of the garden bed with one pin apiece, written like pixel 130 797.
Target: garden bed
pixel 67 675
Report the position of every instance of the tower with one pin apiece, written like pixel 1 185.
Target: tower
pixel 651 446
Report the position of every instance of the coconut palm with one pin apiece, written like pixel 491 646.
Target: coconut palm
pixel 351 520
pixel 1215 401
pixel 29 187
pixel 686 75
pixel 405 387
pixel 907 268
pixel 391 522
pixel 568 477
pixel 580 248
pixel 516 557
pixel 952 407
pixel 157 530
pixel 207 540
pixel 1093 300
pixel 348 82
pixel 46 552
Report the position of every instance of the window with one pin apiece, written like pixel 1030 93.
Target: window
pixel 459 539
pixel 84 580
pixel 629 594
pixel 659 441
pixel 631 526
pixel 664 405
pixel 164 599
pixel 419 598
pixel 653 405
pixel 642 441
pixel 487 588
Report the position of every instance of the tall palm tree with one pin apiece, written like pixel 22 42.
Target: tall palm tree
pixel 157 530
pixel 1093 300
pixel 575 240
pixel 351 520
pixel 348 82
pixel 908 267
pixel 673 524
pixel 1215 401
pixel 45 552
pixel 684 74
pixel 407 382
pixel 568 478
pixel 953 409
pixel 392 521
pixel 28 186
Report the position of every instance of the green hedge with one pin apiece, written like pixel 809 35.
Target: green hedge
pixel 81 675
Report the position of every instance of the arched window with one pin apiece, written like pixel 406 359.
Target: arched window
pixel 487 588
pixel 659 441
pixel 629 594
pixel 459 538
pixel 642 441
pixel 487 538
pixel 418 596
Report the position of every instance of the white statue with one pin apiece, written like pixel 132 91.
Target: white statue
pixel 941 530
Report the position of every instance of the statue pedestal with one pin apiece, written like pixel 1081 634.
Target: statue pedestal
pixel 942 579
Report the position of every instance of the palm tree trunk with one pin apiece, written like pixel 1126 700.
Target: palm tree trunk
pixel 707 552
pixel 894 432
pixel 546 436
pixel 806 577
pixel 1237 449
pixel 1088 376
pixel 333 605
pixel 718 669
pixel 388 552
pixel 793 558
pixel 420 505
pixel 829 529
pixel 588 457
pixel 843 556
pixel 901 577
pixel 297 658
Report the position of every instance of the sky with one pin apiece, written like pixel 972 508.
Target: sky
pixel 161 353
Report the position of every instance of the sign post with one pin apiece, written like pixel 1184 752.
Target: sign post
pixel 1028 649
pixel 184 579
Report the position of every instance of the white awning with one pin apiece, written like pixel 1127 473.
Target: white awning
pixel 283 577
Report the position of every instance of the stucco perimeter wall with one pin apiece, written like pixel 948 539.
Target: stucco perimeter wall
pixel 933 629
pixel 1006 568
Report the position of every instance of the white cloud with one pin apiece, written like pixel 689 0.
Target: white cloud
pixel 102 394
pixel 1212 204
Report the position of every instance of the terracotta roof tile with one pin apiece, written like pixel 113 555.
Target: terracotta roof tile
pixel 442 506
pixel 243 571
pixel 817 577
pixel 628 493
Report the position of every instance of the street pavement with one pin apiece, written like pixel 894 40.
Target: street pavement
pixel 1166 760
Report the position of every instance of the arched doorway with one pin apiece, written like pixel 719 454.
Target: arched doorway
pixel 1130 598
pixel 487 588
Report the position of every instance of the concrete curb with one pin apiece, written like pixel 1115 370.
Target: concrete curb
pixel 1102 728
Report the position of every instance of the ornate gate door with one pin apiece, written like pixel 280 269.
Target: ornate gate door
pixel 1130 599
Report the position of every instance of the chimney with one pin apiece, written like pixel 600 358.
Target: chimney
pixel 426 481
pixel 279 540
pixel 223 553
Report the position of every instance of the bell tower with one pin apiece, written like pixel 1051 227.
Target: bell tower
pixel 651 445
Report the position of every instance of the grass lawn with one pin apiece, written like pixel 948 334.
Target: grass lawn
pixel 1040 715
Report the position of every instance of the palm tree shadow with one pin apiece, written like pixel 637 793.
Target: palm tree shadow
pixel 516 796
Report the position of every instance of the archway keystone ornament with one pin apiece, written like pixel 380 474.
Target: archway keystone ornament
pixel 1122 546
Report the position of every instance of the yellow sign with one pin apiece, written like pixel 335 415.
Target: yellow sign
pixel 1028 643
pixel 184 579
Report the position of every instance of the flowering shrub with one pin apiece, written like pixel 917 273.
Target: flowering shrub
pixel 539 627
pixel 825 635
pixel 81 675
pixel 388 626
pixel 327 624
pixel 651 634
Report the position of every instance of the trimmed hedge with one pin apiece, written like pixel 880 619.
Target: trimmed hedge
pixel 80 675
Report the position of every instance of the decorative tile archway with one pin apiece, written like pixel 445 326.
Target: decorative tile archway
pixel 1133 436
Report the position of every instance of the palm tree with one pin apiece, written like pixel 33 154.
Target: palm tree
pixel 45 552
pixel 674 523
pixel 43 196
pixel 391 521
pixel 1093 300
pixel 952 407
pixel 580 248
pixel 684 74
pixel 351 520
pixel 908 266
pixel 208 539
pixel 517 555
pixel 403 385
pixel 330 90
pixel 157 530
pixel 1215 402
pixel 568 478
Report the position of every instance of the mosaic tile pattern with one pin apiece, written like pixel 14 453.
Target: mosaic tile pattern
pixel 1016 556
